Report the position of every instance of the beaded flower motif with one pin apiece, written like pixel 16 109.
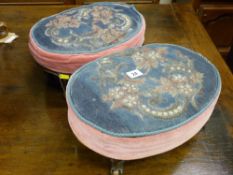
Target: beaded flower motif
pixel 166 95
pixel 103 26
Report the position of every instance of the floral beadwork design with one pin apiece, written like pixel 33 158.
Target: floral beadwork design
pixel 147 59
pixel 119 98
pixel 166 95
pixel 89 28
pixel 61 21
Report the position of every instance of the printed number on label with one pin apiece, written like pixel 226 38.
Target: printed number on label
pixel 134 73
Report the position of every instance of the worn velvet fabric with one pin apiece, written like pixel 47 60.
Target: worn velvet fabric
pixel 143 101
pixel 176 86
pixel 130 148
pixel 79 35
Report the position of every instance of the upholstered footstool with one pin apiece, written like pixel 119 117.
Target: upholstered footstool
pixel 143 101
pixel 67 40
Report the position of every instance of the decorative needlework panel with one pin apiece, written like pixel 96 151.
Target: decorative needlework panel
pixel 87 29
pixel 172 86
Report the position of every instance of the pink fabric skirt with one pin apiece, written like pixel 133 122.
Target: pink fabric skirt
pixel 171 98
pixel 123 148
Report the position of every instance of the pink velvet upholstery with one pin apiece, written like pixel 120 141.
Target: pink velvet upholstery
pixel 138 147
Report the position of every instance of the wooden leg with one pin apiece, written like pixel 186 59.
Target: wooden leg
pixel 203 128
pixel 63 78
pixel 116 167
pixel 63 84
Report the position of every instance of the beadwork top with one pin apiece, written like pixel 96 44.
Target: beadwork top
pixel 88 29
pixel 143 91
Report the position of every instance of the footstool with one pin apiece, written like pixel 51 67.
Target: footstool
pixel 143 101
pixel 67 40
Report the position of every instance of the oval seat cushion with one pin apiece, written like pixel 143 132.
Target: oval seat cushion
pixel 67 40
pixel 142 101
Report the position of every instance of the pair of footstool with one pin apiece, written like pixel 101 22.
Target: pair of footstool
pixel 125 101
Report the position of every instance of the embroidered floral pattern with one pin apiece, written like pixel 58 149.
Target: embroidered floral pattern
pixel 125 95
pixel 89 28
pixel 165 95
pixel 102 14
pixel 148 59
pixel 61 21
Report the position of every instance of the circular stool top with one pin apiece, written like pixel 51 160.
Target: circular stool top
pixel 143 91
pixel 87 29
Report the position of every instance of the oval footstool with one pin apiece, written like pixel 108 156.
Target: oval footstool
pixel 67 40
pixel 143 101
